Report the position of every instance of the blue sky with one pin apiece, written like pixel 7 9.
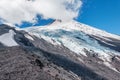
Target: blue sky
pixel 103 14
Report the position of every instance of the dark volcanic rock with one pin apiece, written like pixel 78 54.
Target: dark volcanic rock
pixel 15 65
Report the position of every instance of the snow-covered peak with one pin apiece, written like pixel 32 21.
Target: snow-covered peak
pixel 74 25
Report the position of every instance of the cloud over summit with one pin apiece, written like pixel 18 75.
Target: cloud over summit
pixel 17 11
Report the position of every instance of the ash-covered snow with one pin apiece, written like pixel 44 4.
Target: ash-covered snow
pixel 7 39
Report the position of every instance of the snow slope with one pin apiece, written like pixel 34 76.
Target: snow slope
pixel 7 39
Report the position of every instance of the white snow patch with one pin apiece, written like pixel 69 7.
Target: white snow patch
pixel 29 37
pixel 110 66
pixel 80 60
pixel 7 39
pixel 118 58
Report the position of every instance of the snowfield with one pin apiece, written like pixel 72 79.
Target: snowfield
pixel 7 39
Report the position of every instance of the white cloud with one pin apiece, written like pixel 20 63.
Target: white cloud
pixel 16 11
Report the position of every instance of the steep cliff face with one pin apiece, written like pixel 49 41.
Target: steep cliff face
pixel 59 51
